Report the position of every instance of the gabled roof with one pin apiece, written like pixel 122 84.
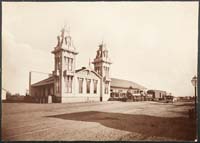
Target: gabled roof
pixel 125 84
pixel 87 68
pixel 47 81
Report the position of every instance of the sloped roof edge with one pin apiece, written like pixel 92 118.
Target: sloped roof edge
pixel 49 80
pixel 85 68
pixel 115 82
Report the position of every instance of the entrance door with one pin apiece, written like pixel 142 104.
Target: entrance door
pixel 101 99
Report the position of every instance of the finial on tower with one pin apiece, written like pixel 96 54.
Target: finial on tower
pixel 90 64
pixel 65 29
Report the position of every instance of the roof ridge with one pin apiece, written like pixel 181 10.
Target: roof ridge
pixel 42 80
pixel 131 83
pixel 124 80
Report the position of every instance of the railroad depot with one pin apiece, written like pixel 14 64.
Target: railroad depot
pixel 68 84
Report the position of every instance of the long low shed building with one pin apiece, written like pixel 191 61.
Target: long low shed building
pixel 120 87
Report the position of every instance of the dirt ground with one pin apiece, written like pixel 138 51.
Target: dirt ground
pixel 97 121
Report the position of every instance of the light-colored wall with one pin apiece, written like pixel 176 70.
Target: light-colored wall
pixel 64 67
pixel 3 95
pixel 105 96
pixel 75 96
pixel 68 99
pixel 115 89
pixel 157 94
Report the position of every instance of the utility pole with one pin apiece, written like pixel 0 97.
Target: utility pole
pixel 30 83
pixel 195 98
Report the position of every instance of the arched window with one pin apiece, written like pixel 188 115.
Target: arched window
pixel 68 84
pixel 106 88
pixel 95 86
pixel 80 81
pixel 88 81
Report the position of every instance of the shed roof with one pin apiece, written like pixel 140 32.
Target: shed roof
pixel 125 84
pixel 156 90
pixel 47 81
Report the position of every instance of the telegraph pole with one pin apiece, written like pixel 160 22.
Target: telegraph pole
pixel 30 83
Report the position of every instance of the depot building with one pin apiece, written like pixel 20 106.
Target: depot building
pixel 69 84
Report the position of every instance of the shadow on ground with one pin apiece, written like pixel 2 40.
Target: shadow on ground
pixel 176 128
pixel 187 104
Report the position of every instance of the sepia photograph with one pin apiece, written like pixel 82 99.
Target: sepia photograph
pixel 99 71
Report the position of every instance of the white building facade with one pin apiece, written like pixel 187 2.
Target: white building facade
pixel 70 85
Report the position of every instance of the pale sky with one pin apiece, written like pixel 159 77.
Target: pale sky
pixel 151 43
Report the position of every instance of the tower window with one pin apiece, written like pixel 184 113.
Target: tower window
pixel 104 54
pixel 66 62
pixel 106 88
pixel 57 86
pixel 70 64
pixel 58 63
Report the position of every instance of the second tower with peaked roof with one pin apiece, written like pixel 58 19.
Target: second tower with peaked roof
pixel 102 66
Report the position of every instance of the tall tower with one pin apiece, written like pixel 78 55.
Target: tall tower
pixel 64 61
pixel 102 66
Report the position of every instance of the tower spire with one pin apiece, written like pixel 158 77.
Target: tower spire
pixel 89 64
pixel 102 67
pixel 65 30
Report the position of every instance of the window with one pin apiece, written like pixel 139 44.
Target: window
pixel 88 85
pixel 96 69
pixel 100 72
pixel 57 86
pixel 80 81
pixel 95 86
pixel 66 62
pixel 107 71
pixel 104 53
pixel 58 63
pixel 49 90
pixel 68 84
pixel 106 88
pixel 69 64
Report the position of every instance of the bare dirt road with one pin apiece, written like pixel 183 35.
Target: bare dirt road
pixel 97 121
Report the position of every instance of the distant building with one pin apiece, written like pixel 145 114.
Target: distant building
pixel 68 84
pixel 157 94
pixel 15 98
pixel 120 87
pixel 185 98
pixel 3 94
